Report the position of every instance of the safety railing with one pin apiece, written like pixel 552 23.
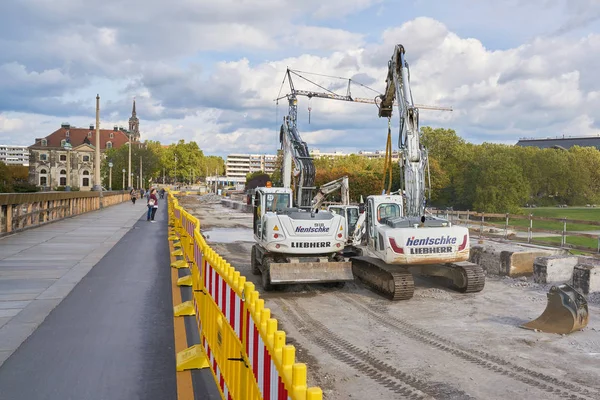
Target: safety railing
pixel 245 350
pixel 20 211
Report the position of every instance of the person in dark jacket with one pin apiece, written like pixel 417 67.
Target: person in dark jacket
pixel 152 205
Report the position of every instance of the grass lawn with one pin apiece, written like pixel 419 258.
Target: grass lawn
pixel 574 240
pixel 580 213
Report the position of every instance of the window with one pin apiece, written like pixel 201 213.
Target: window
pixel 86 182
pixel 277 201
pixel 43 181
pixel 63 181
pixel 63 157
pixel 44 142
pixel 63 142
pixel 86 173
pixel 42 171
pixel 109 144
pixel 43 157
pixel 385 211
pixel 67 133
pixel 63 172
pixel 112 135
pixel 86 158
pixel 90 134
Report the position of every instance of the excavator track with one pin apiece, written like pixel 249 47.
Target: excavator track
pixel 394 283
pixel 473 277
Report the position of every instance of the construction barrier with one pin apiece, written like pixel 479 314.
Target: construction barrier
pixel 247 354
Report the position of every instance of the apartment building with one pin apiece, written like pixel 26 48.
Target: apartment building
pixel 239 165
pixel 315 153
pixel 14 155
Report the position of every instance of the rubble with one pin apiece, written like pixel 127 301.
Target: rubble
pixel 210 198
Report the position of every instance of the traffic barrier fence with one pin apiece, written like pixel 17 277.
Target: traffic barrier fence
pixel 246 352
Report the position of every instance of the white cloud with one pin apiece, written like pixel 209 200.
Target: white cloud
pixel 158 53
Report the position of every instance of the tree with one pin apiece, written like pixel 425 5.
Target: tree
pixel 14 179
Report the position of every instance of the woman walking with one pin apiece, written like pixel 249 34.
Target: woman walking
pixel 133 196
pixel 152 205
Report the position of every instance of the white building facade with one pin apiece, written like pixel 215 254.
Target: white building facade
pixel 239 165
pixel 14 155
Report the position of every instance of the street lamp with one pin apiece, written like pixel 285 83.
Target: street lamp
pixel 67 146
pixel 175 171
pixel 129 176
pixel 110 165
pixel 124 178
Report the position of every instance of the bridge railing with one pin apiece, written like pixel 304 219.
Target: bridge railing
pixel 548 231
pixel 245 350
pixel 19 211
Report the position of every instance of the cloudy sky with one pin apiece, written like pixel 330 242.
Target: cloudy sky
pixel 209 71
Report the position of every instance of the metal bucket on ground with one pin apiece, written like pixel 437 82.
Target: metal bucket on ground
pixel 566 312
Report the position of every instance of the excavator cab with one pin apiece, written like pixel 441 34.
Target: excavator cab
pixel 350 214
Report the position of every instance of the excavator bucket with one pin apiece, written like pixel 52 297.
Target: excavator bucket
pixel 566 312
pixel 311 272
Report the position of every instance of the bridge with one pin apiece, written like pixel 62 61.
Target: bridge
pixel 97 302
pixel 86 305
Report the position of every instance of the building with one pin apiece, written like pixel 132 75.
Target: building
pixel 563 143
pixel 14 155
pixel 48 157
pixel 315 153
pixel 239 165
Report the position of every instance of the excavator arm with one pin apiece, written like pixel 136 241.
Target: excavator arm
pixel 328 188
pixel 295 151
pixel 414 156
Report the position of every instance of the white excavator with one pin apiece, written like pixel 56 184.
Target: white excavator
pixel 397 237
pixel 296 242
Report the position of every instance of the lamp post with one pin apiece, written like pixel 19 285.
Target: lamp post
pixel 130 173
pixel 124 178
pixel 175 171
pixel 68 147
pixel 110 165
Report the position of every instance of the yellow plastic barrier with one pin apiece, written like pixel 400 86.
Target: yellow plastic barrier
pixel 247 354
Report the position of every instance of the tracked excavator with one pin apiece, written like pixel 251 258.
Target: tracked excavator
pixel 296 242
pixel 397 237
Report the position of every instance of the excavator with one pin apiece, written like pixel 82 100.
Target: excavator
pixel 296 242
pixel 397 237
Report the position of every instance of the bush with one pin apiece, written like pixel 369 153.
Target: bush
pixel 25 187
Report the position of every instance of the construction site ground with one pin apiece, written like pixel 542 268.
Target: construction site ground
pixel 440 344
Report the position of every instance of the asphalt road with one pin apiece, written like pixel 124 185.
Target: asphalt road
pixel 111 338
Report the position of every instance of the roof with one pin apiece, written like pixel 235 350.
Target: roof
pixel 565 143
pixel 77 137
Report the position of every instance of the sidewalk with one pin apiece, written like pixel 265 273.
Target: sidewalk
pixel 112 335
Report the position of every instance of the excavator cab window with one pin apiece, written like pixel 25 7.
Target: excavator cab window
pixel 386 211
pixel 336 210
pixel 277 202
pixel 352 219
pixel 257 212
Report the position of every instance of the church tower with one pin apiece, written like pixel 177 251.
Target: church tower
pixel 134 125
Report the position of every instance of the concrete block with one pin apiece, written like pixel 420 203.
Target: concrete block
pixel 586 276
pixel 508 259
pixel 554 269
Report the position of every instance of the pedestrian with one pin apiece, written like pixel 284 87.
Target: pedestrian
pixel 152 205
pixel 133 196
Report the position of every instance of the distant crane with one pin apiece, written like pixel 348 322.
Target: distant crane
pixel 329 94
